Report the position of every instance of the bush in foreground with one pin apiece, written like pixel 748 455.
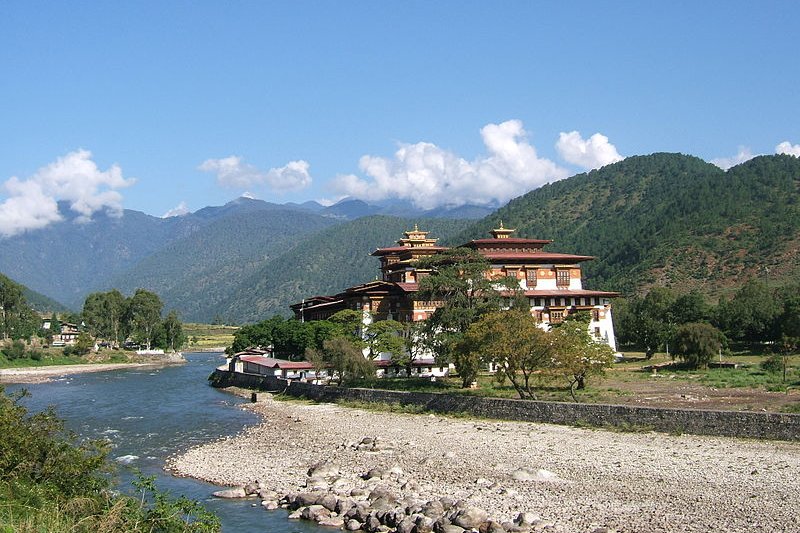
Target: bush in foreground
pixel 51 482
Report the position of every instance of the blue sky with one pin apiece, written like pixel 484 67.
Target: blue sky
pixel 152 105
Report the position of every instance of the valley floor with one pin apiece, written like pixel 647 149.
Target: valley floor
pixel 579 479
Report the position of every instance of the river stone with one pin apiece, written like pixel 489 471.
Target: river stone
pixel 382 492
pixel 304 499
pixel 251 488
pixel 447 502
pixel 343 505
pixel 528 474
pixel 352 525
pixel 406 525
pixel 323 469
pixel 316 513
pixel 269 505
pixel 328 501
pixel 433 509
pixel 471 517
pixel 236 492
pixel 491 527
pixel 336 522
pixel 526 519
pixel 266 494
pixel 372 523
pixel 451 528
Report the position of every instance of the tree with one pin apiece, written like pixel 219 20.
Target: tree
pixel 458 283
pixel 697 343
pixel 173 331
pixel 575 354
pixel 514 342
pixel 343 357
pixel 83 344
pixel 17 319
pixel 384 336
pixel 11 300
pixel 751 314
pixel 145 313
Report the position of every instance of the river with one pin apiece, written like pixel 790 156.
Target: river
pixel 148 415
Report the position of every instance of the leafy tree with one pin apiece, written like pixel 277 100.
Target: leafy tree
pixel 697 343
pixel 514 342
pixel 344 358
pixel 11 300
pixel 384 336
pixel 173 331
pixel 576 355
pixel 84 343
pixel 145 315
pixel 17 319
pixel 458 282
pixel 691 307
pixel 751 314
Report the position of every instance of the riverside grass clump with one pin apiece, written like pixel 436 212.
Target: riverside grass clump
pixel 49 481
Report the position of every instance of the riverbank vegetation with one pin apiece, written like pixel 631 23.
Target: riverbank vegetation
pixel 50 481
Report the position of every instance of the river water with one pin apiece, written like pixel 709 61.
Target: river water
pixel 148 415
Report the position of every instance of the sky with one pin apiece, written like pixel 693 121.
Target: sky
pixel 166 107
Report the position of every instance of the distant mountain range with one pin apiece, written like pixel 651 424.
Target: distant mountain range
pixel 662 219
pixel 195 262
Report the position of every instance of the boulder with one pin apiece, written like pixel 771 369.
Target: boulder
pixel 269 505
pixel 491 527
pixel 470 517
pixel 352 525
pixel 336 522
pixel 236 492
pixel 406 525
pixel 372 523
pixel 266 494
pixel 251 488
pixel 433 509
pixel 323 469
pixel 304 499
pixel 451 528
pixel 315 513
pixel 374 472
pixel 328 501
pixel 526 519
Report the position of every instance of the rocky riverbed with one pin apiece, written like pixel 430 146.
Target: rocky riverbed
pixel 356 469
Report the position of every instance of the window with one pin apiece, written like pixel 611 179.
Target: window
pixel 556 316
pixel 562 278
pixel 597 332
pixel 530 275
pixel 595 314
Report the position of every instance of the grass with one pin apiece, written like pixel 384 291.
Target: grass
pixel 208 335
pixel 55 357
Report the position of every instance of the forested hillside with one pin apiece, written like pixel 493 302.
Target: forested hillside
pixel 326 263
pixel 197 273
pixel 668 219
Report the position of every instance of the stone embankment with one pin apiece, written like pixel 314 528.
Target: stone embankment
pixel 381 472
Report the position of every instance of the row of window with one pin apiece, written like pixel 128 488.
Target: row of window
pixel 564 302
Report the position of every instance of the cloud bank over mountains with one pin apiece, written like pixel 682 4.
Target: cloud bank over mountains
pixel 423 173
pixel 75 178
pixel 430 176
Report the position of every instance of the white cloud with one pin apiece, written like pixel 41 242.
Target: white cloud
pixel 429 176
pixel 788 148
pixel 74 178
pixel 743 155
pixel 591 153
pixel 234 173
pixel 177 211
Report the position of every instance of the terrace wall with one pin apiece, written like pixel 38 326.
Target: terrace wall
pixel 694 421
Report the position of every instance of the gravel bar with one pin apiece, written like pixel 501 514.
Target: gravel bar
pixel 577 479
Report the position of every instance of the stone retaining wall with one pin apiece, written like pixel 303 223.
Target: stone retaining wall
pixel 694 421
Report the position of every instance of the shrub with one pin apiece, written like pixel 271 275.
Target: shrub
pixel 773 363
pixel 696 343
pixel 16 350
